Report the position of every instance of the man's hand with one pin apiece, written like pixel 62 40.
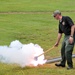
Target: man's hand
pixel 56 44
pixel 71 40
pixel 58 39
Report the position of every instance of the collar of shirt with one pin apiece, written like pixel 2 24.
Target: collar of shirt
pixel 61 20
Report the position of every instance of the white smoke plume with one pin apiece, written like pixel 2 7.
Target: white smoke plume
pixel 21 54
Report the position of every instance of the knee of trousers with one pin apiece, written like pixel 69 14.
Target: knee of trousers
pixel 68 54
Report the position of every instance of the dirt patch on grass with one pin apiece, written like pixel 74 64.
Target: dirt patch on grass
pixel 52 65
pixel 31 12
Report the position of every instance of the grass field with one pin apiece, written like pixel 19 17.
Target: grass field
pixel 34 24
pixel 36 5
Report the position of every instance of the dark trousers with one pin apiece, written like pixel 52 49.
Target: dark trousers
pixel 66 51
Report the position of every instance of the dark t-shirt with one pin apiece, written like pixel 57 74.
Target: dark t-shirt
pixel 65 25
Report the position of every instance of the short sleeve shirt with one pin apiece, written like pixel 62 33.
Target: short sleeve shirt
pixel 65 25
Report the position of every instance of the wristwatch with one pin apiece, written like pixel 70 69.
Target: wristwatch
pixel 71 36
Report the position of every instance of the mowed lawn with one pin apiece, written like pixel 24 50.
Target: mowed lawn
pixel 37 5
pixel 38 28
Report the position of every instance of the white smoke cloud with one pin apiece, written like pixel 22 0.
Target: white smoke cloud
pixel 21 54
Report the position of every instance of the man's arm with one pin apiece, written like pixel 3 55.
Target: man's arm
pixel 58 39
pixel 72 33
pixel 71 23
pixel 72 30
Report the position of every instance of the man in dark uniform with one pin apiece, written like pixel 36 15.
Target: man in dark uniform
pixel 67 27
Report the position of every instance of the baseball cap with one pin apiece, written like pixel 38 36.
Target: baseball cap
pixel 56 12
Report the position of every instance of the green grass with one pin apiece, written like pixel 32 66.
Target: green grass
pixel 37 5
pixel 37 28
pixel 28 28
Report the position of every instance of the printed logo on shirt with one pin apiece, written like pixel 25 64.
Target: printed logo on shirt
pixel 63 23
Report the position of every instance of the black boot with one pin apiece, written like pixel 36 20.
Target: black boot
pixel 59 65
pixel 68 68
